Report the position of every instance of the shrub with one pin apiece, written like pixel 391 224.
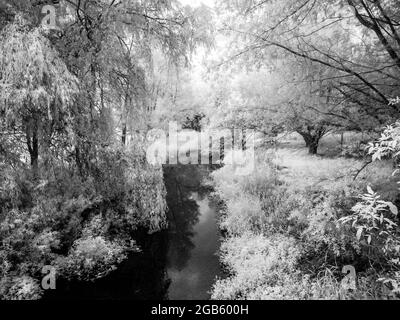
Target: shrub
pixel 255 261
pixel 91 258
pixel 81 225
pixel 20 288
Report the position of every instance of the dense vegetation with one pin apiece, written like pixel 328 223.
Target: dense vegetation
pixel 319 80
pixel 74 108
pixel 317 71
pixel 294 224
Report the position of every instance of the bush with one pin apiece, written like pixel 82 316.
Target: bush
pixel 20 288
pixel 91 258
pixel 255 262
pixel 81 225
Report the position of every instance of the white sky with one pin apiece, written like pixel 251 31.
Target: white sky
pixel 196 3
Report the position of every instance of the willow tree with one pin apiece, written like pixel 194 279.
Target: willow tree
pixel 36 90
pixel 110 45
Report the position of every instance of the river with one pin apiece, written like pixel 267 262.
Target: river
pixel 179 263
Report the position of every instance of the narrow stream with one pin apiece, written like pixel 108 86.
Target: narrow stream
pixel 180 263
pixel 194 239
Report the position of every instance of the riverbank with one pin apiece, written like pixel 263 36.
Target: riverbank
pixel 78 227
pixel 178 262
pixel 283 236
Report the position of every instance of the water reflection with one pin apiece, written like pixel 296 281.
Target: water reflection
pixel 192 263
pixel 194 280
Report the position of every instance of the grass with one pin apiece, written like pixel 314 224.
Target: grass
pixel 282 236
pixel 297 166
pixel 330 145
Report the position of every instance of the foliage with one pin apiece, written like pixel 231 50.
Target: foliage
pixel 22 288
pixel 375 221
pixel 256 261
pixel 333 64
pixel 302 201
pixel 74 181
pixel 91 258
pixel 78 226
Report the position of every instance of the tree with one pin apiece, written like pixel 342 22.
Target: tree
pixel 278 99
pixel 345 37
pixel 36 89
pixel 122 72
pixel 63 95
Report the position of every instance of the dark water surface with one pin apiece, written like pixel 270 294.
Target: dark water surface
pixel 179 263
pixel 194 239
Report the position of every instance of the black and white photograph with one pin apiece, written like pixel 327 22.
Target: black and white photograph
pixel 212 151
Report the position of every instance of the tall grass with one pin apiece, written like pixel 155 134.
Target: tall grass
pixel 283 239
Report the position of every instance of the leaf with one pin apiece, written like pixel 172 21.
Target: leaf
pixel 376 156
pixel 359 233
pixel 370 191
pixel 393 208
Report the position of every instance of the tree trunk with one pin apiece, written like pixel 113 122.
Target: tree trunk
pixel 124 116
pixel 244 139
pixel 35 156
pixel 341 140
pixel 78 160
pixel 312 143
pixel 312 138
pixel 313 147
pixel 123 138
pixel 32 141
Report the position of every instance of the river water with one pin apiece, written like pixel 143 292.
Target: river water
pixel 179 263
pixel 193 235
